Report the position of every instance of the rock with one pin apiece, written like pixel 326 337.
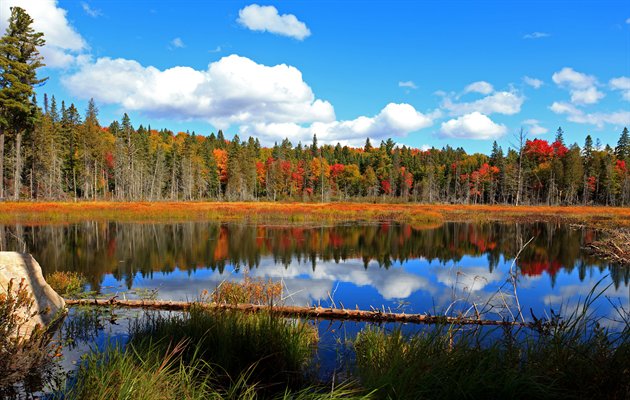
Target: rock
pixel 18 266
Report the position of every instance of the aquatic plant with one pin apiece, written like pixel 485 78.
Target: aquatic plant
pixel 274 350
pixel 148 370
pixel 252 291
pixel 67 284
pixel 569 356
pixel 207 355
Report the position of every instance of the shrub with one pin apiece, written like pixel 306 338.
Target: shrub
pixel 255 291
pixel 23 355
pixel 67 284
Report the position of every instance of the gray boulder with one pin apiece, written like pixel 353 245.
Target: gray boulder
pixel 47 302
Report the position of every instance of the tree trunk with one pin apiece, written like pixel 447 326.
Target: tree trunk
pixel 17 175
pixel 1 164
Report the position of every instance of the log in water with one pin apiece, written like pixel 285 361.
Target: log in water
pixel 294 311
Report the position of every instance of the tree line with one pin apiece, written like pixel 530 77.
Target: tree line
pixel 53 152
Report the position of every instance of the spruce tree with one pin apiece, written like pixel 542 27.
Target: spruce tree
pixel 622 151
pixel 19 61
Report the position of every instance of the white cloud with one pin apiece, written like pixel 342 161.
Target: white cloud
pixel 628 21
pixel 508 103
pixel 623 84
pixel 272 102
pixel 536 35
pixel 92 12
pixel 534 127
pixel 232 90
pixel 407 84
pixel 586 96
pixel 266 18
pixel 482 87
pixel 598 119
pixel 472 126
pixel 178 43
pixel 581 86
pixel 394 120
pixel 533 82
pixel 568 77
pixel 63 42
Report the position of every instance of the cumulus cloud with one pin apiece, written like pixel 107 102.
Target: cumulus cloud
pixel 272 102
pixel 598 119
pixel 533 82
pixel 482 87
pixel 396 120
pixel 508 103
pixel 534 127
pixel 583 87
pixel 472 126
pixel 407 84
pixel 266 18
pixel 622 84
pixel 536 35
pixel 63 42
pixel 232 90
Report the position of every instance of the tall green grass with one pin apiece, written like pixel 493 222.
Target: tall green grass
pixel 274 350
pixel 207 355
pixel 569 357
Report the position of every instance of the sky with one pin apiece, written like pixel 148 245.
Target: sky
pixel 425 73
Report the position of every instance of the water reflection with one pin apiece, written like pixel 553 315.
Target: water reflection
pixel 362 265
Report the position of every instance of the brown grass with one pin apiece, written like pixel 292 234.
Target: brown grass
pixel 252 291
pixel 303 213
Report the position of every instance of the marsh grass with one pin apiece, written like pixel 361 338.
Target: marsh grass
pixel 67 284
pixel 207 355
pixel 274 350
pixel 252 291
pixel 570 357
pixel 158 373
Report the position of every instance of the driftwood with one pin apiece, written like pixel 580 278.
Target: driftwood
pixel 294 311
pixel 615 246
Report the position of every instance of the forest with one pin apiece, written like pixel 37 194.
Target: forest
pixel 67 156
pixel 51 151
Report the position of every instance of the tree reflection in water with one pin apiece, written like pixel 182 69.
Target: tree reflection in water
pixel 123 249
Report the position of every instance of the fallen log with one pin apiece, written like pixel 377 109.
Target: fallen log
pixel 295 311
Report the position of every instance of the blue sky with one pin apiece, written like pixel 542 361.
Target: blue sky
pixel 462 73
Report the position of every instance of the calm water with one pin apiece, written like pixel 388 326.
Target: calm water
pixel 391 266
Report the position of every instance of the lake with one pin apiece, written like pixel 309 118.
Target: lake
pixel 454 268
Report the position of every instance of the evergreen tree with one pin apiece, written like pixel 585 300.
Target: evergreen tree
pixel 622 151
pixel 19 61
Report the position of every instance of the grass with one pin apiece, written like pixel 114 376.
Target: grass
pixel 302 213
pixel 207 355
pixel 153 374
pixel 251 291
pixel 67 284
pixel 563 358
pixel 225 354
pixel 273 350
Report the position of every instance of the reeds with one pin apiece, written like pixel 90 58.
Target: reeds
pixel 568 357
pixel 207 355
pixel 250 291
pixel 66 284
